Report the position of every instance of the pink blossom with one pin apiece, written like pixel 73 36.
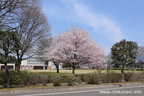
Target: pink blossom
pixel 76 47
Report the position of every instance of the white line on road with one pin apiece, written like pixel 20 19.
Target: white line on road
pixel 81 91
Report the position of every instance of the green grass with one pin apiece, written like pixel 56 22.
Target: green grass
pixel 77 71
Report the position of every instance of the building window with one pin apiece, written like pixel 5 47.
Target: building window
pixel 26 67
pixel 38 67
pixel 30 67
pixel 22 67
pixel 35 62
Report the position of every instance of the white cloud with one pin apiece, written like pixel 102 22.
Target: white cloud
pixel 95 20
pixel 51 11
pixel 76 12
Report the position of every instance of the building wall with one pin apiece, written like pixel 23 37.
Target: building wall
pixel 10 65
pixel 24 62
pixel 33 63
pixel 53 66
pixel 49 67
pixel 27 67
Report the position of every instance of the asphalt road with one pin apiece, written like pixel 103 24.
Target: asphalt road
pixel 112 91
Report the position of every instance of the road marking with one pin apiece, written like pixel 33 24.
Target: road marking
pixel 80 91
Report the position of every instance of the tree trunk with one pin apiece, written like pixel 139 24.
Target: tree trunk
pixel 122 73
pixel 18 65
pixel 73 70
pixel 7 76
pixel 57 67
pixel 18 69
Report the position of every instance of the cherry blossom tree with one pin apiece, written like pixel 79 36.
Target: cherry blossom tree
pixel 98 59
pixel 53 54
pixel 76 47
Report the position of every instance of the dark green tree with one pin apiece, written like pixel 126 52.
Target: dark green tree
pixel 124 54
pixel 66 65
pixel 7 44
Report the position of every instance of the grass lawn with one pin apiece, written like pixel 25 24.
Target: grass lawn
pixel 77 71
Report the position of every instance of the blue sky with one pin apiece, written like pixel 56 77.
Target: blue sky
pixel 107 21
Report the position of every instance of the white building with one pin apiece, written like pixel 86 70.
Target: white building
pixel 32 64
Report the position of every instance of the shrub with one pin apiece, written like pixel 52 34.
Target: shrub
pixel 2 78
pixel 78 80
pixel 138 77
pixel 70 79
pixel 129 69
pixel 93 78
pixel 131 76
pixel 15 78
pixel 50 75
pixel 33 79
pixel 56 80
pixel 25 77
pixel 43 79
pixel 127 76
pixel 81 76
pixel 111 77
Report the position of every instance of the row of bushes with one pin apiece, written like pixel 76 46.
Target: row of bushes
pixel 112 77
pixel 25 78
pixel 129 69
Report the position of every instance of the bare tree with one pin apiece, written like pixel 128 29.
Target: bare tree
pixel 8 10
pixel 43 45
pixel 6 7
pixel 32 27
pixel 109 61
pixel 48 53
pixel 140 57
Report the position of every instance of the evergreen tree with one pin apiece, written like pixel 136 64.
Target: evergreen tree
pixel 124 54
pixel 7 45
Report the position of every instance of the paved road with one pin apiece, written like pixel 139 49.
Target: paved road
pixel 113 91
